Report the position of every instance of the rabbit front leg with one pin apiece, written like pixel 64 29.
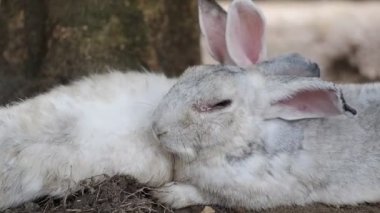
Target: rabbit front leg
pixel 179 195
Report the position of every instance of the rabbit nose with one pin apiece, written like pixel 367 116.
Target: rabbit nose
pixel 157 131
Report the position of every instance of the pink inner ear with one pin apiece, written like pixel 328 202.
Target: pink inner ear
pixel 212 20
pixel 245 31
pixel 216 43
pixel 314 102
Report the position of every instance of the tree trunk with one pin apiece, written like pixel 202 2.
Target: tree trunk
pixel 43 43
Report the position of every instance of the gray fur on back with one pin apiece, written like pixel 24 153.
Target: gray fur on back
pixel 248 154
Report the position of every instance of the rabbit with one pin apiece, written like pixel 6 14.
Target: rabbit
pixel 261 136
pixel 97 125
pixel 241 138
pixel 102 123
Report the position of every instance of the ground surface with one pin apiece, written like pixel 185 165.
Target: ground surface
pixel 117 194
pixel 122 194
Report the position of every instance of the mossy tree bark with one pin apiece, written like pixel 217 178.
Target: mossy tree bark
pixel 43 43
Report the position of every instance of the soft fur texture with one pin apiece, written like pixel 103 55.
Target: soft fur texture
pixel 98 125
pixel 269 146
pixel 102 124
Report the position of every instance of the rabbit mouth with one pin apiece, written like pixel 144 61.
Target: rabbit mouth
pixel 178 149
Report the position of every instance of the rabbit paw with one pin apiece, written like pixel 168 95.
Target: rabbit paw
pixel 178 195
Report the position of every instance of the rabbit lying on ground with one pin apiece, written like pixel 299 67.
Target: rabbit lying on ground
pixel 241 138
pixel 99 125
pixel 257 137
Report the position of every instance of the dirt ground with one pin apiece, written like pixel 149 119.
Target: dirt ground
pixel 116 194
pixel 122 194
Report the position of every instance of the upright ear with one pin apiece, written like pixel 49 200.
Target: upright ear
pixel 212 20
pixel 245 33
pixel 290 64
pixel 316 100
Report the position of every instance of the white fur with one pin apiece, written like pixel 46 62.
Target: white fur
pixel 98 125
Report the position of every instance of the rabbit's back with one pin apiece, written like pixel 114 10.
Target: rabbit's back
pixel 347 149
pixel 94 126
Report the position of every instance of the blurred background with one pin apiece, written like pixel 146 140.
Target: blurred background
pixel 48 42
pixel 342 36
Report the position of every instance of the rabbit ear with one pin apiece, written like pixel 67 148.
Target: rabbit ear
pixel 307 101
pixel 290 64
pixel 245 33
pixel 212 20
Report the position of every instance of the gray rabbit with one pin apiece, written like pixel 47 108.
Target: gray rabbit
pixel 269 134
pixel 243 138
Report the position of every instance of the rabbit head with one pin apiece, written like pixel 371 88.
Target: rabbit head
pixel 233 37
pixel 217 105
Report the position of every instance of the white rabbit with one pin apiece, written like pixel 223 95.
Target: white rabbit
pixel 261 138
pixel 100 125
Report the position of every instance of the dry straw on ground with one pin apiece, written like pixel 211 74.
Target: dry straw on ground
pixel 122 194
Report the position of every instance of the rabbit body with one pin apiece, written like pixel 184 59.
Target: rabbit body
pixel 98 125
pixel 257 153
pixel 262 140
